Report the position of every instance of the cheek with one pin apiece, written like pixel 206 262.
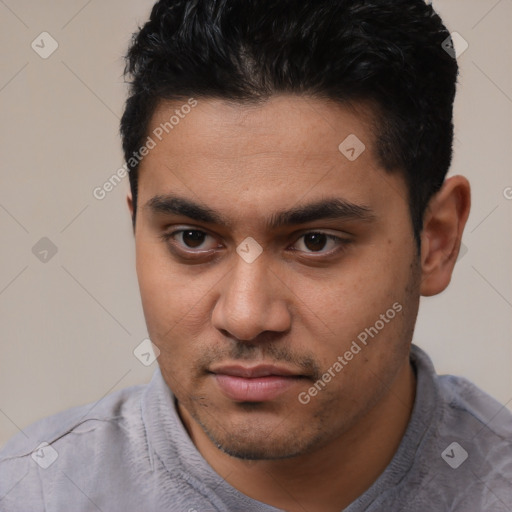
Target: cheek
pixel 351 298
pixel 161 287
pixel 174 299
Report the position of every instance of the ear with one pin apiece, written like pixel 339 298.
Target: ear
pixel 129 201
pixel 443 225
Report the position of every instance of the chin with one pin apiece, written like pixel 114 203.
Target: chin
pixel 258 441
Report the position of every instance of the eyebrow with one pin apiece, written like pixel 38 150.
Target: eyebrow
pixel 331 208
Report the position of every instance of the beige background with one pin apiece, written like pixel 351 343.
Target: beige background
pixel 69 325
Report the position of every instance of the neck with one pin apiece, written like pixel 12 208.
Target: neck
pixel 331 477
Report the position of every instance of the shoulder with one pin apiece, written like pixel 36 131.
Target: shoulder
pixel 464 456
pixel 112 411
pixel 465 399
pixel 462 402
pixel 45 462
pixel 475 444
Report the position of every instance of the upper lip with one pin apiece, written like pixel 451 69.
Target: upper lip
pixel 263 370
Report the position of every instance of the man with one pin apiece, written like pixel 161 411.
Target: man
pixel 289 202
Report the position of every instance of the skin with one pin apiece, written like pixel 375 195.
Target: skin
pixel 299 305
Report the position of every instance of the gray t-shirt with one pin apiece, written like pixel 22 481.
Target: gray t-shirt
pixel 129 452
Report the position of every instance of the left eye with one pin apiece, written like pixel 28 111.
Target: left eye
pixel 316 241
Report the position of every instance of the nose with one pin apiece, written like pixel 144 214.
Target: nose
pixel 252 300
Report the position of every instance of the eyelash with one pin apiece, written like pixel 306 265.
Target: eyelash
pixel 169 239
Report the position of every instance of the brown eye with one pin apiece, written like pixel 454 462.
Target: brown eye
pixel 315 241
pixel 190 241
pixel 193 238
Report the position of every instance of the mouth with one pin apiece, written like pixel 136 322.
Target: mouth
pixel 260 383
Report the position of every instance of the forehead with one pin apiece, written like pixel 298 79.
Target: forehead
pixel 279 152
pixel 286 125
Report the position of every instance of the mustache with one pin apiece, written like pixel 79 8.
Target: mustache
pixel 261 353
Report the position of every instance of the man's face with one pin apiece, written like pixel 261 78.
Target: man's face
pixel 243 336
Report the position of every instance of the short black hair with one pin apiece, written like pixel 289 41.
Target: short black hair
pixel 386 52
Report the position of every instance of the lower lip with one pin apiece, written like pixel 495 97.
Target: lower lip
pixel 258 389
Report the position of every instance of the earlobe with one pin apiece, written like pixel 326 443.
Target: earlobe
pixel 441 237
pixel 129 201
